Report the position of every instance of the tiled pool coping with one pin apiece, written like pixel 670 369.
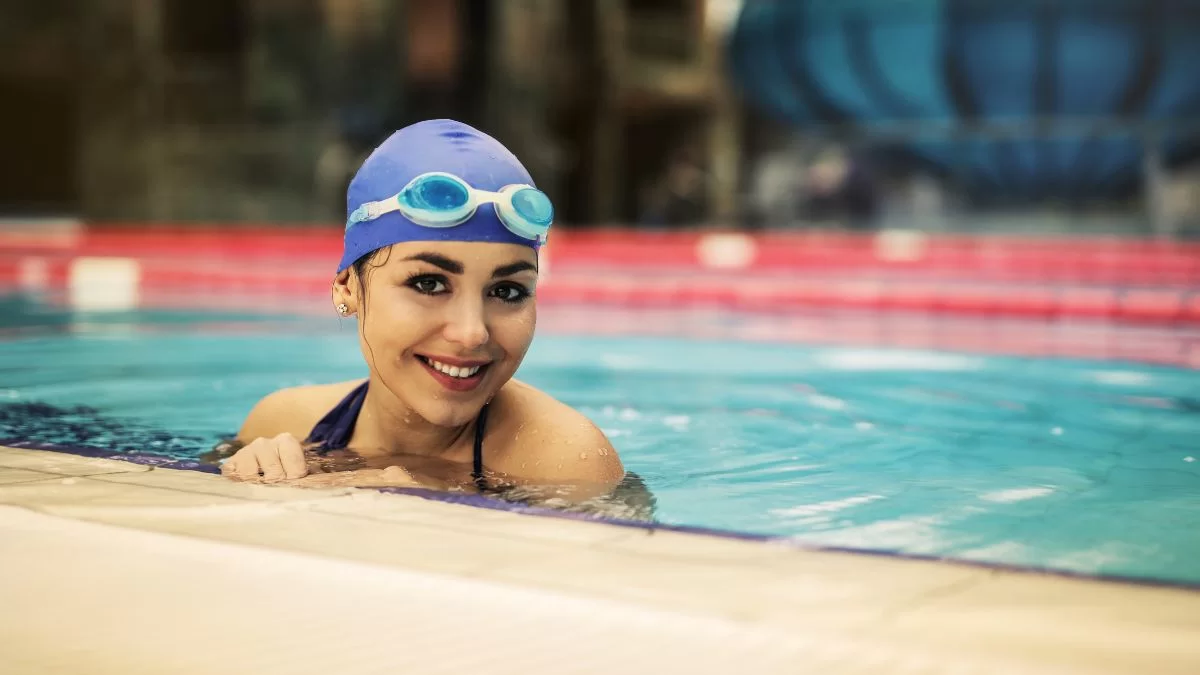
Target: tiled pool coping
pixel 484 502
pixel 113 565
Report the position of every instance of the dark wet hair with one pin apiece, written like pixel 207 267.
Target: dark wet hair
pixel 365 265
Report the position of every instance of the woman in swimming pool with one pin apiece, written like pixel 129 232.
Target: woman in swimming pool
pixel 440 267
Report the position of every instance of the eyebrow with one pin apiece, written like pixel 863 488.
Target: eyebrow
pixel 455 267
pixel 513 268
pixel 437 260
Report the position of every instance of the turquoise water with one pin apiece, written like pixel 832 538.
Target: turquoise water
pixel 1078 466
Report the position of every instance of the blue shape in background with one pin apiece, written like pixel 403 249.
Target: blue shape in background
pixel 958 61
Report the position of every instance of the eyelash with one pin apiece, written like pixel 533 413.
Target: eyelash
pixel 416 280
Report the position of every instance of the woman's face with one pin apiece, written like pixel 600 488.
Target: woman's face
pixel 443 325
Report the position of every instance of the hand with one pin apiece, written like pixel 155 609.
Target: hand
pixel 267 460
pixel 392 476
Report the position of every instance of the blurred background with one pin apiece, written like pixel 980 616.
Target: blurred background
pixel 971 116
pixel 982 160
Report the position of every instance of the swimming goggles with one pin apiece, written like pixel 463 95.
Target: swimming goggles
pixel 439 199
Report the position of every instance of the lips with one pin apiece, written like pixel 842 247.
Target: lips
pixel 454 374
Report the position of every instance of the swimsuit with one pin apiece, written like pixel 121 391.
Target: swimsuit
pixel 334 430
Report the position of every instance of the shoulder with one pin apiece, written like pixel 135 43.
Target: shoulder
pixel 293 410
pixel 538 438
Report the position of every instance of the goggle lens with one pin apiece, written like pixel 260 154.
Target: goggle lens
pixel 533 206
pixel 436 193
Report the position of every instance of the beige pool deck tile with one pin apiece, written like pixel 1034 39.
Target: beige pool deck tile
pixel 794 588
pixel 469 520
pixel 9 476
pixel 781 577
pixel 71 492
pixel 211 484
pixel 294 527
pixel 669 545
pixel 1119 628
pixel 63 464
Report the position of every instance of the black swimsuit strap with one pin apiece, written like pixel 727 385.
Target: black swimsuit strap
pixel 477 459
pixel 334 430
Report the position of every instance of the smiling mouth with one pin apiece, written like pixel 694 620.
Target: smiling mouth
pixel 458 378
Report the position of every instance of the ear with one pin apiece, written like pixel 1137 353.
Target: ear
pixel 345 292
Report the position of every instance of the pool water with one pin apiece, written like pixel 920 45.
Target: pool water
pixel 1087 467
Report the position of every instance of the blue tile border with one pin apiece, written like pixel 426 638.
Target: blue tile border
pixel 482 501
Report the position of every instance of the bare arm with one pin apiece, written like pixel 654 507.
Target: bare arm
pixel 572 466
pixel 577 452
pixel 273 415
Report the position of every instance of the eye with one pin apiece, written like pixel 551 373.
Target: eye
pixel 511 293
pixel 427 284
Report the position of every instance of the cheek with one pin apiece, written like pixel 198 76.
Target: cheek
pixel 514 332
pixel 392 326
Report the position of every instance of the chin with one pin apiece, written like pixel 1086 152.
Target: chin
pixel 449 414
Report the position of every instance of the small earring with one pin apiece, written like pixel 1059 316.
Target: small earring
pixel 342 309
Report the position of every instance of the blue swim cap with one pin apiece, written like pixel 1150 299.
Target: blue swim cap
pixel 434 147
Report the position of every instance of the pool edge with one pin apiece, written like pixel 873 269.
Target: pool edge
pixel 483 502
pixel 1033 622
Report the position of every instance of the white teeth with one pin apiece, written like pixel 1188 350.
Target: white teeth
pixel 454 371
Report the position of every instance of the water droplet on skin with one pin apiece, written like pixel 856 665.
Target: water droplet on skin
pixel 583 455
pixel 603 452
pixel 522 465
pixel 560 466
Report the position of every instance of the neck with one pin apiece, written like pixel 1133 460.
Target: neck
pixel 388 427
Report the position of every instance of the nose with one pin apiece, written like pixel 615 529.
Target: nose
pixel 466 323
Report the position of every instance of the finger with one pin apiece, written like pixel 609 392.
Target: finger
pixel 229 468
pixel 271 465
pixel 247 466
pixel 291 455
